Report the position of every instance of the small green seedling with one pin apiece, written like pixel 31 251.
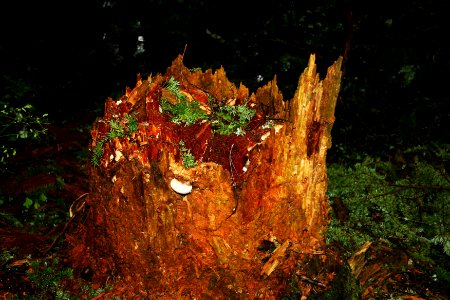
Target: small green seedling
pixel 187 157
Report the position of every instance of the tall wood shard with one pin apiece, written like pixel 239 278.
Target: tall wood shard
pixel 233 226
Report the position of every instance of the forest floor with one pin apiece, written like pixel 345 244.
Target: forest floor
pixel 46 179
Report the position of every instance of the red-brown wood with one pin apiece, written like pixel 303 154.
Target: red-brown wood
pixel 239 234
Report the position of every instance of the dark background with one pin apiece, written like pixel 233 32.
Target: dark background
pixel 66 58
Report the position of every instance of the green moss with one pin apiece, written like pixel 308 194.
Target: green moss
pixel 187 157
pixel 46 278
pixel 183 112
pixel 132 123
pixel 225 119
pixel 173 86
pixel 232 119
pixel 97 152
pixel 406 208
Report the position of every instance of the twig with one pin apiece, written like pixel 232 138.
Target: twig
pixel 312 281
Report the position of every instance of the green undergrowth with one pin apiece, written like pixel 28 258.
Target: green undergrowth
pixel 18 124
pixel 48 279
pixel 404 202
pixel 38 207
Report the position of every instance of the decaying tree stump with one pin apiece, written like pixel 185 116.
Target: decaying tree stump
pixel 236 225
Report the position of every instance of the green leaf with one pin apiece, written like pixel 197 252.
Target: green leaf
pixel 28 202
pixel 42 198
